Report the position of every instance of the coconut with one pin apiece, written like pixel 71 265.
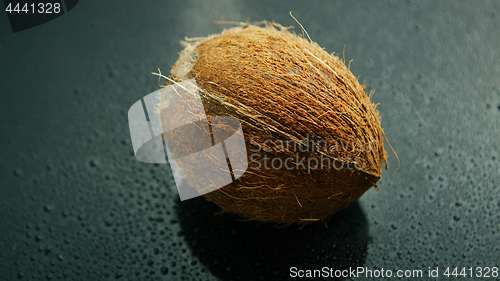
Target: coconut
pixel 313 136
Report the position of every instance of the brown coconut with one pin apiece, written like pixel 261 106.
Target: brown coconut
pixel 283 87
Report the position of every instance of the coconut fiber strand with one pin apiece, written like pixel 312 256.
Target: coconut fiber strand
pixel 287 89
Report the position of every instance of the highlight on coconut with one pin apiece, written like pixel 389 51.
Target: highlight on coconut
pixel 264 123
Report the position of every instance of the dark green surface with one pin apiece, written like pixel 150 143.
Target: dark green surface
pixel 75 204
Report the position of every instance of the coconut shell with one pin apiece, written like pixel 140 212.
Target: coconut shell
pixel 283 87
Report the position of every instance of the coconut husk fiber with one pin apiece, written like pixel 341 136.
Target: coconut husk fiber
pixel 283 87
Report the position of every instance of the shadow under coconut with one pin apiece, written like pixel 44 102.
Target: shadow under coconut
pixel 233 249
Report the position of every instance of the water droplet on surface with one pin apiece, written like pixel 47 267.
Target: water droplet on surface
pixel 94 162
